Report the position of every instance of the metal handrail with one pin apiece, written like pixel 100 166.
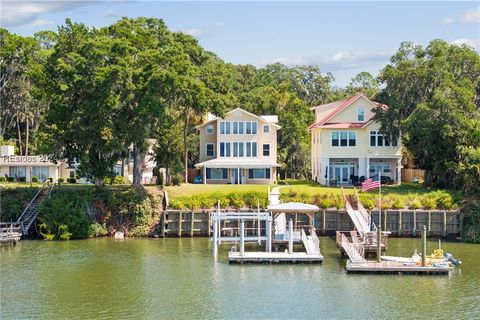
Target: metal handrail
pixel 30 203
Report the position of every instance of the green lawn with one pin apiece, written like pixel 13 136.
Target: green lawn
pixel 313 188
pixel 191 189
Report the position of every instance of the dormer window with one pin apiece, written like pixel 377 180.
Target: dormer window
pixel 361 114
pixel 209 128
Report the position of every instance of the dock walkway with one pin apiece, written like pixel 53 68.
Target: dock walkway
pixel 391 267
pixel 274 257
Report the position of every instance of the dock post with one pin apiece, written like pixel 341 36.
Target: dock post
pixel 268 245
pixel 180 217
pixel 424 246
pixel 242 238
pixel 290 236
pixel 192 223
pixel 379 243
pixel 214 242
pixel 444 224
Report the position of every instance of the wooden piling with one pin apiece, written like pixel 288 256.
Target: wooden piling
pixel 180 224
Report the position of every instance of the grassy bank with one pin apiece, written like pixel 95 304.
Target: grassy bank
pixel 405 196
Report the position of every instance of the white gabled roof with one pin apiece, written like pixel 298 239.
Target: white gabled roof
pixel 293 207
pixel 237 163
pixel 271 119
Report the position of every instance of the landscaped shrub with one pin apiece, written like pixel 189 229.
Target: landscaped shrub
pixel 10 179
pixel 115 180
pixel 236 200
pixel 444 200
pixel 22 179
pixel 176 180
pixel 428 201
pixel 2 179
pixel 415 204
pixel 71 180
pixel 368 203
pixel 60 180
pixel 34 179
pixel 397 202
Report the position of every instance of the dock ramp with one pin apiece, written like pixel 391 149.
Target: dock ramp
pixel 360 217
pixel 354 249
pixel 311 242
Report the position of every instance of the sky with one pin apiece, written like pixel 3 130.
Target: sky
pixel 342 37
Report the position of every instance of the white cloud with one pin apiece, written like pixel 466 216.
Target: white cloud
pixel 17 13
pixel 220 24
pixel 110 13
pixel 41 23
pixel 468 16
pixel 474 43
pixel 343 60
pixel 193 32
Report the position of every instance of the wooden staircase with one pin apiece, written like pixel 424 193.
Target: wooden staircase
pixel 28 216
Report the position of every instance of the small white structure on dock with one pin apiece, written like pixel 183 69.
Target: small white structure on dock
pixel 260 230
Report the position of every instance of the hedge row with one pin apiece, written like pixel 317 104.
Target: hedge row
pixel 432 200
pixel 210 200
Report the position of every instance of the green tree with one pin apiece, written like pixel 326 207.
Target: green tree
pixel 364 83
pixel 433 97
pixel 84 88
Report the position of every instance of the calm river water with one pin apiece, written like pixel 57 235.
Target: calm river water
pixel 177 279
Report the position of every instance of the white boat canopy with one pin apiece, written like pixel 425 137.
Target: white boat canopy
pixel 293 207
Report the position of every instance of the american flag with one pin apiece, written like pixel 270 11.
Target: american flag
pixel 371 183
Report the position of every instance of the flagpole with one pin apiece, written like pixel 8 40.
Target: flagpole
pixel 379 227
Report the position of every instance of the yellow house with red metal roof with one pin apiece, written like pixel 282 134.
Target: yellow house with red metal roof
pixel 347 145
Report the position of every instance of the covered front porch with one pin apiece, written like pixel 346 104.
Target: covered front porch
pixel 236 171
pixel 353 171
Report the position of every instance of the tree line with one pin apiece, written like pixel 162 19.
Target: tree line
pixel 88 94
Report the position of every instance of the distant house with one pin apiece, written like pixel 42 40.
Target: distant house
pixel 240 148
pixel 347 144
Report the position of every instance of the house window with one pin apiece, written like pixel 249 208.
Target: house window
pixel 361 114
pixel 210 152
pixel 227 149
pixel 376 167
pixel 248 152
pixel 251 127
pixel 217 174
pixel 266 150
pixel 235 149
pixel 17 172
pixel 222 149
pixel 209 128
pixel 240 149
pixel 379 140
pixel 71 174
pixel 335 138
pixel 240 127
pixel 222 127
pixel 40 172
pixel 227 127
pixel 235 127
pixel 352 139
pixel 254 127
pixel 254 149
pixel 263 173
pixel 344 138
pixel 266 128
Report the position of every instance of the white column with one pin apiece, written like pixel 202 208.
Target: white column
pixel 368 168
pixel 290 236
pixel 214 242
pixel 242 238
pixel 268 245
pixel 205 175
pixel 322 170
pixel 399 171
pixel 361 167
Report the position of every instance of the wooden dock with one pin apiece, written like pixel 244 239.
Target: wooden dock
pixel 391 267
pixel 274 257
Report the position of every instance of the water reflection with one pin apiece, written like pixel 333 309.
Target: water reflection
pixel 177 278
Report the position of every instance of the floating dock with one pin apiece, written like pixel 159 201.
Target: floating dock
pixel 274 257
pixel 392 267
